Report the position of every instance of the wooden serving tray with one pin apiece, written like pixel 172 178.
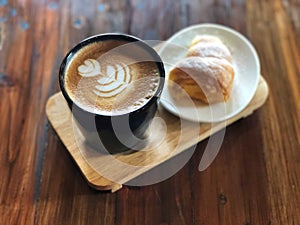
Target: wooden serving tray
pixel 140 161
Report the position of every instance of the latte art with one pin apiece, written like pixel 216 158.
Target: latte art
pixel 90 68
pixel 115 83
pixel 112 82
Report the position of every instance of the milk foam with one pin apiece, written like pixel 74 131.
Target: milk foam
pixel 109 82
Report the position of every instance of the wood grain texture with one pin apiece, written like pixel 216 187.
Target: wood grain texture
pixel 26 80
pixel 255 177
pixel 281 52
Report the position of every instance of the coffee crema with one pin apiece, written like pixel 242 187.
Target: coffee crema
pixel 111 77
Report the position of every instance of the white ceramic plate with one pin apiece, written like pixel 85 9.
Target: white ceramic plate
pixel 246 66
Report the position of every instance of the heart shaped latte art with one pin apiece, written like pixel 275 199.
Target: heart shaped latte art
pixel 115 80
pixel 90 68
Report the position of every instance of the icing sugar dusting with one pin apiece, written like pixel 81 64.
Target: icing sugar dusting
pixel 210 49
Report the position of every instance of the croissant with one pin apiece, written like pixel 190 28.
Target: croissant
pixel 205 39
pixel 207 73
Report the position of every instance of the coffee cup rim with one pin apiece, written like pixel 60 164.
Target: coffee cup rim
pixel 112 36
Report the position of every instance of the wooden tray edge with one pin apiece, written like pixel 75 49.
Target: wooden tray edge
pixel 93 183
pixel 104 184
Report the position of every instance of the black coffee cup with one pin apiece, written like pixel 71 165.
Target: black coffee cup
pixel 114 133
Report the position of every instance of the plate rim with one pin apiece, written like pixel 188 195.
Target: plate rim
pixel 253 53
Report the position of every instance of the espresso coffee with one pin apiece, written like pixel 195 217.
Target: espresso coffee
pixel 111 77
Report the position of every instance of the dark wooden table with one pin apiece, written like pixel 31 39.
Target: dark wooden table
pixel 255 177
